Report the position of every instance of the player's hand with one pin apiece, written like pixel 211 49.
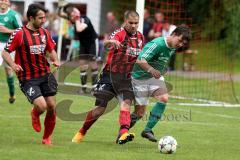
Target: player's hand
pixel 56 63
pixel 155 73
pixel 116 44
pixel 17 67
pixel 76 14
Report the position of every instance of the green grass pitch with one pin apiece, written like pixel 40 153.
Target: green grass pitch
pixel 203 133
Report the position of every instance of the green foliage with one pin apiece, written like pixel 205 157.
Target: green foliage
pixel 210 16
pixel 219 19
pixel 233 38
pixel 198 10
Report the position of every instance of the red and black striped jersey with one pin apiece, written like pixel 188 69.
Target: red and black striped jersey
pixel 31 47
pixel 121 60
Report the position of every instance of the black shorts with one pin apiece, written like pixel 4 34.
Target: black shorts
pixel 43 86
pixel 113 85
pixel 88 51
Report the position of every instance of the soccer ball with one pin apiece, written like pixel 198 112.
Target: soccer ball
pixel 167 145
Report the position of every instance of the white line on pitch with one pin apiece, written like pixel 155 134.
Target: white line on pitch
pixel 206 113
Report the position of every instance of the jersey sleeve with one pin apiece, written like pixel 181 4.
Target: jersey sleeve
pixel 17 22
pixel 117 37
pixel 14 41
pixel 50 42
pixel 148 51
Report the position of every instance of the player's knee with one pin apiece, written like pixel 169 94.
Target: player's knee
pixel 51 106
pixel 42 106
pixel 127 102
pixel 164 98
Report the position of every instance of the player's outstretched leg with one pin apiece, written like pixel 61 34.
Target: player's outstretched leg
pixel 78 137
pixel 154 117
pixel 91 118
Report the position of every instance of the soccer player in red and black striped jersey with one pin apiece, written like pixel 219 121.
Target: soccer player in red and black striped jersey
pixel 31 43
pixel 115 79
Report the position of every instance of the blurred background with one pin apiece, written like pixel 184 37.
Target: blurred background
pixel 207 71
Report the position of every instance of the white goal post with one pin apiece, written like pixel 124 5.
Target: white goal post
pixel 140 5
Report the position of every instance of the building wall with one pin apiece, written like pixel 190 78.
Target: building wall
pixel 93 8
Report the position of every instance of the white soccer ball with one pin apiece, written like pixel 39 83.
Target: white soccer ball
pixel 167 145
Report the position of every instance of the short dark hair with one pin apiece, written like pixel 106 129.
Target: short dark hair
pixel 129 13
pixel 33 10
pixel 69 10
pixel 184 31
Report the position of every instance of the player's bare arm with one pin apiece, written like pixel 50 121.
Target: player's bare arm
pixel 113 42
pixel 54 58
pixel 144 65
pixel 4 29
pixel 6 56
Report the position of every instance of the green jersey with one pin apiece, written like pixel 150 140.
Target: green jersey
pixel 157 53
pixel 10 20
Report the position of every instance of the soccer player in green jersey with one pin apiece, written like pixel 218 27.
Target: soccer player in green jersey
pixel 148 80
pixel 9 21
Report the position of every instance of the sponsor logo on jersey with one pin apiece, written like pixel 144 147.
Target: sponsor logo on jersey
pixel 133 51
pixel 37 49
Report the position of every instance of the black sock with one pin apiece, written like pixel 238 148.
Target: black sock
pixel 83 77
pixel 94 76
pixel 134 119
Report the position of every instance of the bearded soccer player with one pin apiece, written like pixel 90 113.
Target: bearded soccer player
pixel 9 21
pixel 115 79
pixel 32 43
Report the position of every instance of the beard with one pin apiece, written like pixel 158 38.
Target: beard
pixel 131 31
pixel 37 26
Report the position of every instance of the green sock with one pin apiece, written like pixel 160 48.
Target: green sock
pixel 10 82
pixel 155 115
